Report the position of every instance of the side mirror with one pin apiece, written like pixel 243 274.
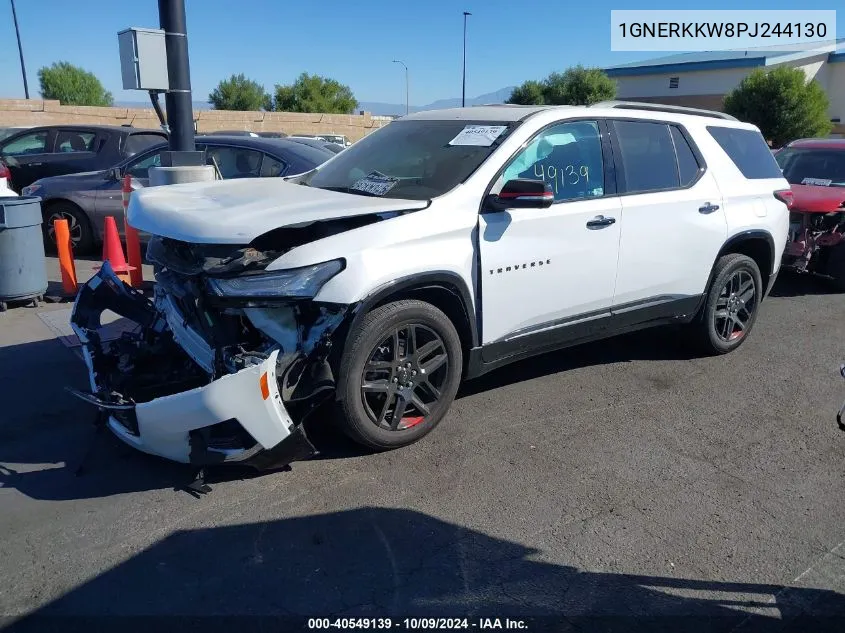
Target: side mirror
pixel 522 193
pixel 115 173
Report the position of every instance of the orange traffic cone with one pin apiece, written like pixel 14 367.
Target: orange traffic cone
pixel 113 251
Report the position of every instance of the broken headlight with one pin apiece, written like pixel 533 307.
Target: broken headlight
pixel 300 283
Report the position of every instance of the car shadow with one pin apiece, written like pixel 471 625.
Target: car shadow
pixel 377 562
pixel 790 284
pixel 655 344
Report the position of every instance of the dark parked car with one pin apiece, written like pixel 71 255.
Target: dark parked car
pixel 85 199
pixel 334 148
pixel 54 150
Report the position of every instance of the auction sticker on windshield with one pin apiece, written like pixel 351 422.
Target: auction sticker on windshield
pixel 375 183
pixel 480 135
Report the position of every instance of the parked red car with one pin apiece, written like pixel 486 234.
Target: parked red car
pixel 815 169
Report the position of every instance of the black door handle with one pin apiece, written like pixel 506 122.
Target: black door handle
pixel 600 222
pixel 708 208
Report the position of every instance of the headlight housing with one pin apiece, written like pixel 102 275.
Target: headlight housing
pixel 292 283
pixel 30 189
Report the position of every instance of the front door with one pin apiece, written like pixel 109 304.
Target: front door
pixel 26 155
pixel 551 272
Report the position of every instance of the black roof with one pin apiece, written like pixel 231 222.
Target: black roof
pixel 106 128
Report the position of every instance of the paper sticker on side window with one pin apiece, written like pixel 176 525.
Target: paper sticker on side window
pixel 375 184
pixel 479 135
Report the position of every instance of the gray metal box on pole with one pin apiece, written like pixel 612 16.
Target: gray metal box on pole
pixel 143 59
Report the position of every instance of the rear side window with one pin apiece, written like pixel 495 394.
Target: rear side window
pixel 688 166
pixel 139 142
pixel 748 151
pixel 648 156
pixel 73 141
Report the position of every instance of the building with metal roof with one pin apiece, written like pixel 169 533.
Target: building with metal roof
pixel 702 79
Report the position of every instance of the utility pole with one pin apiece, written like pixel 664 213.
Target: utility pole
pixel 180 111
pixel 407 101
pixel 20 50
pixel 464 90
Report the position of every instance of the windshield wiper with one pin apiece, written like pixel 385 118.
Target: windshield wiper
pixel 356 192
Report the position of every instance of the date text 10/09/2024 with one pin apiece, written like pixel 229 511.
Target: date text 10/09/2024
pixel 432 624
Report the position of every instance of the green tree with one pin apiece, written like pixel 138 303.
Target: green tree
pixel 579 86
pixel 72 85
pixel 312 93
pixel 782 103
pixel 575 86
pixel 239 93
pixel 529 93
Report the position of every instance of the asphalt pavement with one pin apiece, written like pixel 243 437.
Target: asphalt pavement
pixel 625 479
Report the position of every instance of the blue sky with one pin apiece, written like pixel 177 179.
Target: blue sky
pixel 354 42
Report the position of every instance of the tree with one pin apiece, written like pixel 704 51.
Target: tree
pixel 312 93
pixel 575 86
pixel 72 85
pixel 529 93
pixel 239 93
pixel 782 103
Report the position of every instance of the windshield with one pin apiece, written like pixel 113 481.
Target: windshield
pixel 821 167
pixel 415 159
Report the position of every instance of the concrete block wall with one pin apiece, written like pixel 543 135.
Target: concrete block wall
pixel 46 112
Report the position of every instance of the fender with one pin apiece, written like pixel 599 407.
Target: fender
pixel 750 235
pixel 444 279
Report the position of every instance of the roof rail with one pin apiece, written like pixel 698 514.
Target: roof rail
pixel 660 107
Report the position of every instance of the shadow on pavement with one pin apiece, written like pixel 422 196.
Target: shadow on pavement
pixel 790 284
pixel 378 562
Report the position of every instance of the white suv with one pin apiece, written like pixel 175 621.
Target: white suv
pixel 436 249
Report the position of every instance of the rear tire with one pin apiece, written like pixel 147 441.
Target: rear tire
pixel 81 235
pixel 731 305
pixel 404 356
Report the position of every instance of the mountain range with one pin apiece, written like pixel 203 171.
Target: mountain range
pixel 375 107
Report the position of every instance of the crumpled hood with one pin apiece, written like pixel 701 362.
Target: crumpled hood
pixel 238 211
pixel 817 199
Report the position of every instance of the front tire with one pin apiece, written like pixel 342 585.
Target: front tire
pixel 731 306
pixel 398 375
pixel 81 235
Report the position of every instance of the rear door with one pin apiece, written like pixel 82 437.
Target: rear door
pixel 74 151
pixel 673 219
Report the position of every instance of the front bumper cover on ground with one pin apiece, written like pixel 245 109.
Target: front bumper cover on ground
pixel 180 425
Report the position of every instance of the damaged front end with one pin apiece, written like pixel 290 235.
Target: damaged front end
pixel 227 359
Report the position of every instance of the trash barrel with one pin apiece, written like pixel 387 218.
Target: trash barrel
pixel 23 266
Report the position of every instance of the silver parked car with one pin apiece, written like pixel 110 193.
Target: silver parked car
pixel 85 199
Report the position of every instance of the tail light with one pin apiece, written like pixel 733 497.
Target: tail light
pixel 786 196
pixel 4 171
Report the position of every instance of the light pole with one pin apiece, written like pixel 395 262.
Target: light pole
pixel 20 50
pixel 396 61
pixel 464 90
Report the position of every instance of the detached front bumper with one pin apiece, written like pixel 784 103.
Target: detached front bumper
pixel 161 401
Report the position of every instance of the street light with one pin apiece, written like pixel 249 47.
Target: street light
pixel 20 49
pixel 396 61
pixel 464 90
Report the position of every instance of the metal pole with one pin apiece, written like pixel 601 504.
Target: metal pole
pixel 464 90
pixel 407 91
pixel 20 50
pixel 180 115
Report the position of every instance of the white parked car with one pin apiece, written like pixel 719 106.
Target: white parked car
pixel 436 249
pixel 5 182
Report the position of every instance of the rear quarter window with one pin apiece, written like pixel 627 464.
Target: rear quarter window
pixel 139 142
pixel 748 151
